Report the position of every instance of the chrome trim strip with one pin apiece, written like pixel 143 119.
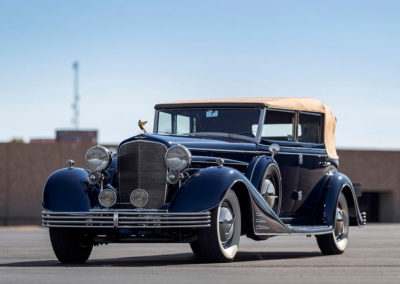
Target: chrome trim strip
pixel 142 219
pixel 260 125
pixel 225 163
pixel 224 150
pixel 306 230
pixel 213 160
pixel 254 167
pixel 130 227
pixel 143 141
pixel 262 152
pixel 297 147
pixel 155 125
pixel 262 227
pixel 257 151
pixel 129 212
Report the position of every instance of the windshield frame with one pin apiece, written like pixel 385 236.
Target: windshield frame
pixel 256 139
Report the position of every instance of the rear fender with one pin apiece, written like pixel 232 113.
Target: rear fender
pixel 337 183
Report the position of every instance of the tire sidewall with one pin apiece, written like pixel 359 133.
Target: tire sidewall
pixel 230 252
pixel 342 200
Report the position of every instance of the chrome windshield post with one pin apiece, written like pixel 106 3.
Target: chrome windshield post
pixel 155 124
pixel 260 125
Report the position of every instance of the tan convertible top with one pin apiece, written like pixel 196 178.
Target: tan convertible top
pixel 301 104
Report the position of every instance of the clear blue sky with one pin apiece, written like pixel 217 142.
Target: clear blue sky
pixel 134 54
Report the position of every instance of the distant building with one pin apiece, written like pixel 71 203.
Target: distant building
pixel 42 141
pixel 77 136
pixel 379 174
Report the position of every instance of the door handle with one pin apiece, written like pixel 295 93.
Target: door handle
pixel 324 164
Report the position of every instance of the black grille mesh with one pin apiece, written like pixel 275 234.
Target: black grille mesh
pixel 142 165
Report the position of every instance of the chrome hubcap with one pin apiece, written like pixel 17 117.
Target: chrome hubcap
pixel 226 223
pixel 341 228
pixel 268 192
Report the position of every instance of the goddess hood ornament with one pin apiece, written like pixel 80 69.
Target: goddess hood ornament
pixel 141 125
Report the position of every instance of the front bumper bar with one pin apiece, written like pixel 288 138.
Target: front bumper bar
pixel 126 219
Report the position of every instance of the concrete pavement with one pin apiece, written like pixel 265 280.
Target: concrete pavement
pixel 373 256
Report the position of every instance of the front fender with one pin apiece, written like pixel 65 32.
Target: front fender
pixel 66 190
pixel 337 183
pixel 205 189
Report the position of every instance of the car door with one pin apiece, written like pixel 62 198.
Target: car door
pixel 279 128
pixel 312 163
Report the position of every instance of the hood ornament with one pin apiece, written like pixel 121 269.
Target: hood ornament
pixel 142 124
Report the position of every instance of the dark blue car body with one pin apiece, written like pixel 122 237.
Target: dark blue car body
pixel 309 185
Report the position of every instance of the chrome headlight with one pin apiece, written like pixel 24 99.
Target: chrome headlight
pixel 107 198
pixel 98 158
pixel 139 198
pixel 178 158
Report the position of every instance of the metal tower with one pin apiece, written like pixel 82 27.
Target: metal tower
pixel 75 105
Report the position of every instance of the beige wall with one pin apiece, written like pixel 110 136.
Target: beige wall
pixel 24 169
pixel 3 182
pixel 378 171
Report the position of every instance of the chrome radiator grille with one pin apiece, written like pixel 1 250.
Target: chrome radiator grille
pixel 141 165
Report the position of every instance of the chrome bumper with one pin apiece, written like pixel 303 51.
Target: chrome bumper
pixel 126 219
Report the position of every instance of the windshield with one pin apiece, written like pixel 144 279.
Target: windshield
pixel 208 122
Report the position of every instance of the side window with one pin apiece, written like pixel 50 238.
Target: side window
pixel 309 129
pixel 164 123
pixel 278 125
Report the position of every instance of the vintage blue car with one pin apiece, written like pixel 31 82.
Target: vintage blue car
pixel 211 172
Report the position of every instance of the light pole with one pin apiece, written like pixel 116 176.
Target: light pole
pixel 75 105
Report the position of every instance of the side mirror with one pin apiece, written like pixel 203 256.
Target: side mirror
pixel 274 149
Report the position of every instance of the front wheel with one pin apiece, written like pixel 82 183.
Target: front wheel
pixel 71 245
pixel 220 242
pixel 336 242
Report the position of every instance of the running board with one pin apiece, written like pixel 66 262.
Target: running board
pixel 267 223
pixel 270 226
pixel 311 230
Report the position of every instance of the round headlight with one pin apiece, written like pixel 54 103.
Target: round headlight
pixel 107 197
pixel 178 158
pixel 139 198
pixel 98 158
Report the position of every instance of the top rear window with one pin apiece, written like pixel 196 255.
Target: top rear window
pixel 309 129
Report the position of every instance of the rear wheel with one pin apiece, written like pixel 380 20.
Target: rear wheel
pixel 336 242
pixel 71 245
pixel 220 242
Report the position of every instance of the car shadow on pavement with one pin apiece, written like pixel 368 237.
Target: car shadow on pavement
pixel 165 260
